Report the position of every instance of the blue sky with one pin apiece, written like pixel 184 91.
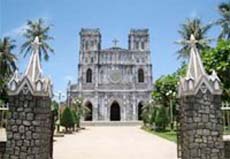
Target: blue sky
pixel 114 18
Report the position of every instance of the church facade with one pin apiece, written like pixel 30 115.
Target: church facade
pixel 114 82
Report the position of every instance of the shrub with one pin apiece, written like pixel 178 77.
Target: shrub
pixel 67 118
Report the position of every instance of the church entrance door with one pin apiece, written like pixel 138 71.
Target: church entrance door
pixel 140 107
pixel 115 113
pixel 89 115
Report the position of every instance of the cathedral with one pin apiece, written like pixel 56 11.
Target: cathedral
pixel 114 82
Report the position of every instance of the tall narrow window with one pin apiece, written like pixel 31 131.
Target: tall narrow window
pixel 86 45
pixel 136 45
pixel 140 75
pixel 89 76
pixel 91 44
pixel 142 45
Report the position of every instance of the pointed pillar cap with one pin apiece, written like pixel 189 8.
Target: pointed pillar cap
pixel 196 77
pixel 32 80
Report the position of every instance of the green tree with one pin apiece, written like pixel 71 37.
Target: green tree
pixel 199 30
pixel 218 59
pixel 161 119
pixel 67 119
pixel 165 90
pixel 162 86
pixel 224 21
pixel 7 64
pixel 80 109
pixel 148 114
pixel 41 30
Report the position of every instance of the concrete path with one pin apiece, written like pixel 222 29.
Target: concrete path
pixel 2 134
pixel 113 143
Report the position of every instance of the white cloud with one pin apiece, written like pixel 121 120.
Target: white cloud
pixel 18 31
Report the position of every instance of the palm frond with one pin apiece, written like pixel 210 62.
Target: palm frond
pixel 40 29
pixel 199 30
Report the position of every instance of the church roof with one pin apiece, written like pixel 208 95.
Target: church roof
pixel 115 49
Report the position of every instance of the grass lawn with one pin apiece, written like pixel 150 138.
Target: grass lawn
pixel 227 132
pixel 169 135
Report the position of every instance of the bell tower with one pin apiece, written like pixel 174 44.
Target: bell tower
pixel 90 46
pixel 139 40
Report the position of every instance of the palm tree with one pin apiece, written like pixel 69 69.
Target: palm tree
pixel 41 30
pixel 224 21
pixel 192 26
pixel 7 63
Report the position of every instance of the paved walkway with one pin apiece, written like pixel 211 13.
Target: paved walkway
pixel 113 143
pixel 2 134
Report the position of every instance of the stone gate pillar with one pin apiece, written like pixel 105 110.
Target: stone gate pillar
pixel 201 127
pixel 29 128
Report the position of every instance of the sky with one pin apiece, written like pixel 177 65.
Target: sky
pixel 114 18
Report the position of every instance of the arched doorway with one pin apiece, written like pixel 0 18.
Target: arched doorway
pixel 115 113
pixel 140 107
pixel 89 115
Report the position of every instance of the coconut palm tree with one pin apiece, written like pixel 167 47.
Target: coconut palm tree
pixel 192 26
pixel 224 21
pixel 41 30
pixel 7 63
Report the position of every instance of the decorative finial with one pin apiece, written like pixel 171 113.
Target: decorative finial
pixel 115 41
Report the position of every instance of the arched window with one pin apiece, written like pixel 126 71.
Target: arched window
pixel 89 76
pixel 140 75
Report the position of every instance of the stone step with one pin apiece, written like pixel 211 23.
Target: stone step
pixel 111 123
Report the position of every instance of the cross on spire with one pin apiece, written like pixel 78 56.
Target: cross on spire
pixel 115 41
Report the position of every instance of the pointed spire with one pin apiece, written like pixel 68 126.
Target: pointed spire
pixel 213 77
pixel 16 76
pixel 34 71
pixel 195 66
pixel 196 78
